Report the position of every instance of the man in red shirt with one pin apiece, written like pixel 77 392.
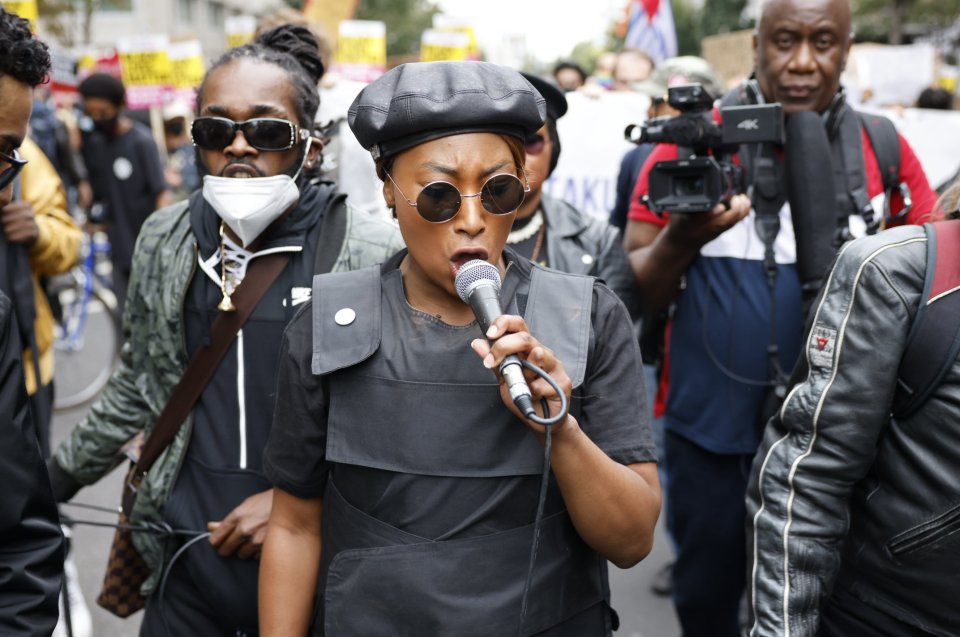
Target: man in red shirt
pixel 729 315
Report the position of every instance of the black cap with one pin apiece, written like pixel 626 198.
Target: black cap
pixel 556 101
pixel 417 102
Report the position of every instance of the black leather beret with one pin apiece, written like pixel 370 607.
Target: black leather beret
pixel 414 103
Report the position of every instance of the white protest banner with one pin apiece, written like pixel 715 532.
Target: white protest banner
pixel 145 68
pixel 436 46
pixel 239 29
pixel 361 50
pixel 591 136
pixel 888 75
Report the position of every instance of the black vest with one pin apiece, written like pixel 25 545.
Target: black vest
pixel 408 396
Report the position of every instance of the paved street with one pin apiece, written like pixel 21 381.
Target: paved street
pixel 641 613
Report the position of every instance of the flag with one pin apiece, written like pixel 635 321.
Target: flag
pixel 651 29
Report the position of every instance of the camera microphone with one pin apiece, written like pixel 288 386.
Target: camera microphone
pixel 478 285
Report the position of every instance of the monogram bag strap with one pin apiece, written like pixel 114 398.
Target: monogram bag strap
pixel 261 274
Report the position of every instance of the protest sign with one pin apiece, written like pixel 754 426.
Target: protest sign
pixel 442 22
pixel 186 60
pixel 146 69
pixel 591 134
pixel 437 45
pixel 240 30
pixel 730 54
pixel 887 75
pixel 361 50
pixel 26 9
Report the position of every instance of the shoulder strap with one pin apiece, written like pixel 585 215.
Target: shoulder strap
pixel 333 231
pixel 850 174
pixel 934 339
pixel 886 145
pixel 261 274
pixel 346 318
pixel 557 312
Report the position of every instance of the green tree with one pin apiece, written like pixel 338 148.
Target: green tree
pixel 406 21
pixel 689 27
pixel 723 16
pixel 892 21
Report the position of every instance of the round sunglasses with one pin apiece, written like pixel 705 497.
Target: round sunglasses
pixel 440 201
pixel 14 164
pixel 263 133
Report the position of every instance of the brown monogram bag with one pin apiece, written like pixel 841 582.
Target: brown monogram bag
pixel 126 570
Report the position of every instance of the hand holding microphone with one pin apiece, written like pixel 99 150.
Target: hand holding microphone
pixel 478 285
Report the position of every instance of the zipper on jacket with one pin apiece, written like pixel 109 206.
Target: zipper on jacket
pixel 241 401
pixel 927 533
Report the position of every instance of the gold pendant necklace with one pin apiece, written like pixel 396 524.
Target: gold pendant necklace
pixel 226 303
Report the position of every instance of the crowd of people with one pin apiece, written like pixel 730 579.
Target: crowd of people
pixel 451 420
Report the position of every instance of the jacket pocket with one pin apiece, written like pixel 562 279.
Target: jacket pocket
pixel 926 534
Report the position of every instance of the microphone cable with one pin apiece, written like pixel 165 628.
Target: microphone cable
pixel 548 422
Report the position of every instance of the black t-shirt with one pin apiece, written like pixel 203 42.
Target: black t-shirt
pixel 126 176
pixel 611 403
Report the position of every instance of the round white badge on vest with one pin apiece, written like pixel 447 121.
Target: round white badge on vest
pixel 345 316
pixel 587 259
pixel 122 168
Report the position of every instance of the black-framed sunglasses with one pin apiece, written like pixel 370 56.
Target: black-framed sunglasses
pixel 440 201
pixel 15 164
pixel 263 133
pixel 534 144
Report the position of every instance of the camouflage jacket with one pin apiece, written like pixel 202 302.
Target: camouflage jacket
pixel 154 357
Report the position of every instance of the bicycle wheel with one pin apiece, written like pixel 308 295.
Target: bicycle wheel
pixel 87 344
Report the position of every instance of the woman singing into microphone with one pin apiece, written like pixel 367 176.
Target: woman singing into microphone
pixel 407 484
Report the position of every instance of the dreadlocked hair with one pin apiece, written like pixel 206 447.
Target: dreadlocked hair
pixel 22 56
pixel 294 49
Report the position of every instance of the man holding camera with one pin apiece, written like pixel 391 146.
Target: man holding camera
pixel 737 322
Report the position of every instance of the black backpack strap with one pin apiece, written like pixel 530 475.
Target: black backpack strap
pixel 934 339
pixel 886 146
pixel 333 232
pixel 850 175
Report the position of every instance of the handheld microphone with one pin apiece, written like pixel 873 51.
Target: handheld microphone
pixel 478 285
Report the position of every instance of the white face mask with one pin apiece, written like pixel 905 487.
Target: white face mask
pixel 249 205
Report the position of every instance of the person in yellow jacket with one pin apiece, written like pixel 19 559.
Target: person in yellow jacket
pixel 38 220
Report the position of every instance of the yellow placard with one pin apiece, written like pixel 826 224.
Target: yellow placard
pixel 368 51
pixel 436 46
pixel 238 39
pixel 26 9
pixel 146 68
pixel 240 30
pixel 86 62
pixel 188 72
pixel 437 53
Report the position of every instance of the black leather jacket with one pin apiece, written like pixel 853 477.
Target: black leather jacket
pixel 578 244
pixel 31 545
pixel 842 495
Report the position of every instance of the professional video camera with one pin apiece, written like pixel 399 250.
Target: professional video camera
pixel 708 175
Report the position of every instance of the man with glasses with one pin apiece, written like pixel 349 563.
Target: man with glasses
pixel 30 538
pixel 255 149
pixel 550 231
